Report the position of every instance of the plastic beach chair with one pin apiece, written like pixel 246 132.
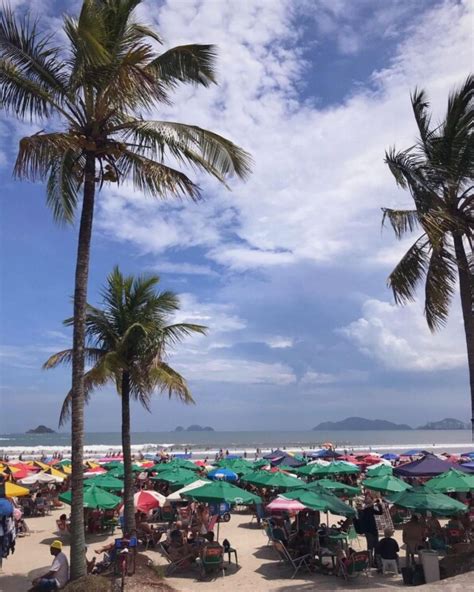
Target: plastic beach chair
pixel 212 559
pixel 357 564
pixel 296 563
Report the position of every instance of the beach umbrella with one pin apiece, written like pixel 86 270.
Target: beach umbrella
pixel 325 453
pixel 222 474
pixel 390 456
pixel 281 504
pixel 41 477
pixel 339 467
pixel 335 487
pixel 175 463
pixel 179 477
pixel 65 462
pixel 273 480
pixel 94 497
pixel 412 452
pixel 6 507
pixel 221 491
pixel 16 472
pixel 422 499
pixel 14 490
pixel 386 484
pixel 427 466
pixel 119 471
pixel 258 464
pixel 467 467
pixel 176 496
pixel 113 464
pixel 379 470
pixel 147 499
pixel 452 481
pixel 280 457
pixel 322 501
pixel 105 481
pixel 311 470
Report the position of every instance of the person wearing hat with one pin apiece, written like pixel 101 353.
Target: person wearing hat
pixel 58 574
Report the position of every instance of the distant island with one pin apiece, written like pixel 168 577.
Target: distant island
pixel 41 429
pixel 445 424
pixel 360 423
pixel 194 428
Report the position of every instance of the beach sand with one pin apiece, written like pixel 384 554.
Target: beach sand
pixel 258 571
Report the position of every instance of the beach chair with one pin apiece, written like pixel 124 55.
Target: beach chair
pixel 212 559
pixel 296 563
pixel 267 531
pixel 357 564
pixel 175 564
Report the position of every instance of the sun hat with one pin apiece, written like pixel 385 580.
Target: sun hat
pixel 57 545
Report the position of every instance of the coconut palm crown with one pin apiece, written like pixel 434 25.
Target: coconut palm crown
pixel 438 172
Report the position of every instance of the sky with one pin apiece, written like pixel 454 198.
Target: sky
pixel 287 269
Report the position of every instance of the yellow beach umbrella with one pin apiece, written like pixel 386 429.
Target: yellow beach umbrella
pixel 39 464
pixel 55 472
pixel 14 490
pixel 66 469
pixel 91 464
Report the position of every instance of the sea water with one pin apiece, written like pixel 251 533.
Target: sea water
pixel 97 443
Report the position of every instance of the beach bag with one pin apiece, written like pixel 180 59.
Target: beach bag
pixel 407 575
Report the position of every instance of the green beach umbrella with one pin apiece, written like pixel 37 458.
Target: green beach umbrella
pixel 176 476
pixel 339 467
pixel 258 464
pixel 120 472
pixel 422 500
pixel 275 480
pixel 113 464
pixel 94 497
pixel 379 470
pixel 222 491
pixel 386 484
pixel 175 463
pixel 452 481
pixel 322 501
pixel 65 462
pixel 106 481
pixel 335 487
pixel 310 470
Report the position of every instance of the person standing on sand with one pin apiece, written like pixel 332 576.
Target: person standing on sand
pixel 369 526
pixel 58 574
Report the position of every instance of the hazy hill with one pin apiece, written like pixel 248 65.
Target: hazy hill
pixel 360 423
pixel 447 423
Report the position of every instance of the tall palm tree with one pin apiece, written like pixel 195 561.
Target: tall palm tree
pixel 126 343
pixel 439 173
pixel 96 91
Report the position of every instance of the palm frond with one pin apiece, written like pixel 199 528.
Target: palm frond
pixel 174 334
pixel 94 378
pixel 156 179
pixel 64 182
pixel 186 63
pixel 166 379
pixel 92 356
pixel 439 287
pixel 199 147
pixel 420 107
pixel 410 271
pixel 39 153
pixel 402 221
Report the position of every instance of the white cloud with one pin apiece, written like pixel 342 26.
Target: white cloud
pixel 279 342
pixel 238 371
pixel 312 378
pixel 319 179
pixel 399 337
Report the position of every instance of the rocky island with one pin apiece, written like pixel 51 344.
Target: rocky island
pixel 41 429
pixel 448 423
pixel 194 428
pixel 360 423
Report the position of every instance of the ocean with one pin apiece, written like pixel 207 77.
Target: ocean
pixel 97 443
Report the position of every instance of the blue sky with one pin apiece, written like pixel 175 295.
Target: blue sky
pixel 289 269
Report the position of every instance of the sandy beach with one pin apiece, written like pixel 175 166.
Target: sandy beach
pixel 258 570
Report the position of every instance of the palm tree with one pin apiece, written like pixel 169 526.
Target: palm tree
pixel 126 343
pixel 439 171
pixel 97 91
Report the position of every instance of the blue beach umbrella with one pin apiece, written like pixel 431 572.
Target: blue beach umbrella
pixel 223 475
pixel 390 456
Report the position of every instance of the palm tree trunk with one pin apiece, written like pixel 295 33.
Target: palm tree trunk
pixel 467 302
pixel 78 564
pixel 128 511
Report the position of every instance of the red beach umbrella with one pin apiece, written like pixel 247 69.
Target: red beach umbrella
pixel 147 499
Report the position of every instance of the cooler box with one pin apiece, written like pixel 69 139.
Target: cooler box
pixel 430 562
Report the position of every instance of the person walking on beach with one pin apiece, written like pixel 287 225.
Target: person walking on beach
pixel 58 574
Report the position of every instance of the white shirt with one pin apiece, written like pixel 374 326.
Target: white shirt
pixel 60 568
